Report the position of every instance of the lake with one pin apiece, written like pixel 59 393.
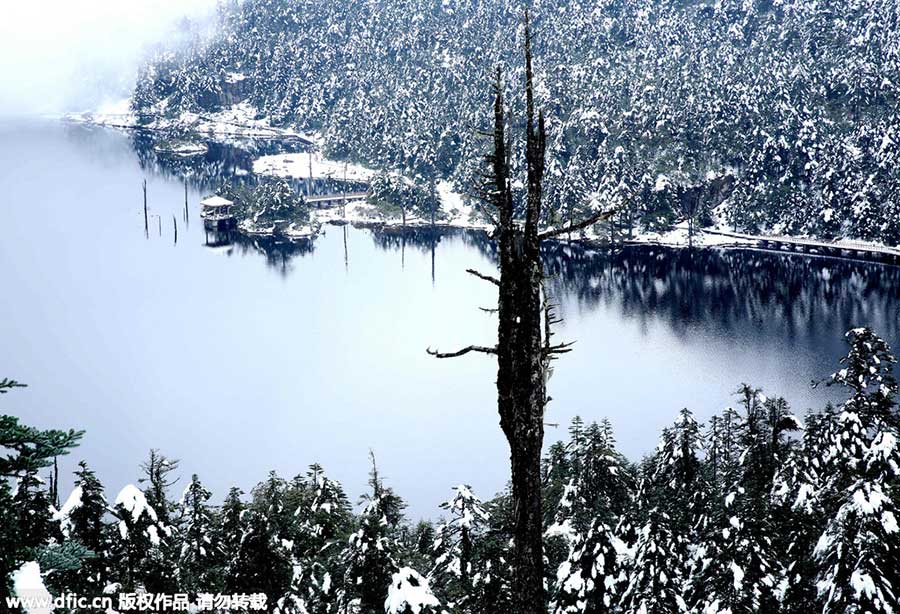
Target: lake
pixel 241 356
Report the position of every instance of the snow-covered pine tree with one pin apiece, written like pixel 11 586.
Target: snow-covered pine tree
pixel 455 545
pixel 736 569
pixel 837 488
pixel 559 470
pixel 858 553
pixel 491 581
pixel 589 581
pixel 655 569
pixel 161 567
pixel 263 563
pixel 868 375
pixel 409 593
pixel 557 474
pixel 722 460
pixel 605 480
pixel 31 502
pixel 799 516
pixel 599 489
pixel 677 485
pixel 230 532
pixel 323 520
pixel 199 556
pixel 369 555
pixel 672 514
pixel 27 451
pixel 135 533
pixel 82 520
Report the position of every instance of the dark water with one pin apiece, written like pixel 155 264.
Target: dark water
pixel 243 355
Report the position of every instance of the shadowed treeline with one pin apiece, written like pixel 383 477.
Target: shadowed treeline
pixel 730 289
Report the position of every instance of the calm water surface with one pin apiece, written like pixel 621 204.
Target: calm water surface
pixel 244 356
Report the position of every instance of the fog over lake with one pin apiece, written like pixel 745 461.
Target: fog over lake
pixel 242 356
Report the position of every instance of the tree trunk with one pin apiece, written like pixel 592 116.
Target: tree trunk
pixel 521 400
pixel 523 331
pixel 520 352
pixel 528 555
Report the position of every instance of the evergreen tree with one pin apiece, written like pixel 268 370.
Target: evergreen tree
pixel 840 490
pixel 25 520
pixel 82 521
pixel 455 546
pixel 263 562
pixel 800 515
pixel 161 566
pixel 605 482
pixel 136 532
pixel 409 593
pixel 677 485
pixel 199 555
pixel 323 523
pixel 369 555
pixel 557 475
pixel 656 570
pixel 857 554
pixel 590 580
pixel 230 533
pixel 722 460
pixel 736 568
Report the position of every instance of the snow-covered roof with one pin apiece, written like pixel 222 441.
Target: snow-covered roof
pixel 216 201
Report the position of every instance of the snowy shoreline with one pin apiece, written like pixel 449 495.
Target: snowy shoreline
pixel 240 121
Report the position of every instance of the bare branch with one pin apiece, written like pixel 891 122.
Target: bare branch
pixel 465 350
pixel 590 221
pixel 493 280
pixel 488 310
pixel 560 348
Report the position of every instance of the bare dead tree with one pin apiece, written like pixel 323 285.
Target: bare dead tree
pixel 524 350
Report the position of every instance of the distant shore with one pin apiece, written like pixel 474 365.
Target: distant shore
pixel 456 212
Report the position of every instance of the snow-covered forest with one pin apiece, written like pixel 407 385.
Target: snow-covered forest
pixel 758 510
pixel 774 116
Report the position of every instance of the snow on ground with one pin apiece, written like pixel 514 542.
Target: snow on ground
pixel 28 584
pixel 293 231
pixel 239 120
pixel 679 237
pixel 458 209
pixel 181 148
pixel 457 212
pixel 300 165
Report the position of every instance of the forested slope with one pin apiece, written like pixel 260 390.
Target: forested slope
pixel 780 115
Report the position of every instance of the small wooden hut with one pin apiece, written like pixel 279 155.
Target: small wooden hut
pixel 217 212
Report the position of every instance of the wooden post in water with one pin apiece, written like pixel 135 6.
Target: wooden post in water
pixel 159 223
pixel 175 226
pixel 346 255
pixel 185 203
pixel 344 194
pixel 146 221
